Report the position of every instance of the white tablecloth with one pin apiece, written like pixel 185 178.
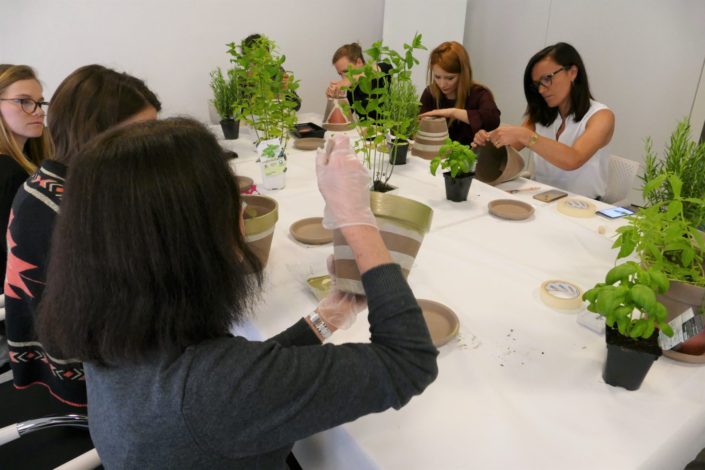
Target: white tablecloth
pixel 521 386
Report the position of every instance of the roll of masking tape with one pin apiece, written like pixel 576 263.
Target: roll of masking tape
pixel 562 295
pixel 576 207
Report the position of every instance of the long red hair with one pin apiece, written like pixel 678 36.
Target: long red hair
pixel 452 57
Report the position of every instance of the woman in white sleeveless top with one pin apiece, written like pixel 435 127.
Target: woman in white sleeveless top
pixel 566 130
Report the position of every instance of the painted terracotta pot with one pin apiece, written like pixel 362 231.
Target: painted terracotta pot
pixel 497 165
pixel 337 116
pixel 402 223
pixel 431 135
pixel 261 215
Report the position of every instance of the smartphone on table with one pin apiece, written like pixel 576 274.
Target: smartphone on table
pixel 550 195
pixel 615 212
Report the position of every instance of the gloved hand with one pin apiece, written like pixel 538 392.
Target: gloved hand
pixel 345 185
pixel 338 308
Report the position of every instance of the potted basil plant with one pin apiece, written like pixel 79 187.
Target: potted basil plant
pixel 459 160
pixel 634 316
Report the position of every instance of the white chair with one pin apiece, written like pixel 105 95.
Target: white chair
pixel 622 172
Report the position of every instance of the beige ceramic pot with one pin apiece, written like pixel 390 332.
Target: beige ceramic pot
pixel 497 165
pixel 261 216
pixel 679 298
pixel 337 116
pixel 402 223
pixel 431 135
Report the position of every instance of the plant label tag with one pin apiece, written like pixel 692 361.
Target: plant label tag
pixel 592 321
pixel 685 326
pixel 271 157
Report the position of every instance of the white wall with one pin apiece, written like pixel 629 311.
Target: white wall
pixel 404 18
pixel 643 57
pixel 173 44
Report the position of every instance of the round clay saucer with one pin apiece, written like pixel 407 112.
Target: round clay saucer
pixel 244 182
pixel 308 143
pixel 510 209
pixel 310 231
pixel 442 322
pixel 679 356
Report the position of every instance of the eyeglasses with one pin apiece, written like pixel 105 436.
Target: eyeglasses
pixel 28 105
pixel 547 79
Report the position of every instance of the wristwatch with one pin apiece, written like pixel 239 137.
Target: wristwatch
pixel 320 325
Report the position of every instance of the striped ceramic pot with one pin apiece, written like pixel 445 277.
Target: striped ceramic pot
pixel 402 223
pixel 431 135
pixel 337 116
pixel 261 215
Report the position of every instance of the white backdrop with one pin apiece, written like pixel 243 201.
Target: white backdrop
pixel 445 21
pixel 173 44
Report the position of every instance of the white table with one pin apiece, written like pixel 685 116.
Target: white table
pixel 521 386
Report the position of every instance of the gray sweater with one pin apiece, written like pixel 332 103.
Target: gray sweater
pixel 233 403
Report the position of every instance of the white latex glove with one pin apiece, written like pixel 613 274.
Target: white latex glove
pixel 340 309
pixel 345 185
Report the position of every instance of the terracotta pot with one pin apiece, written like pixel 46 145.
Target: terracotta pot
pixel 497 165
pixel 402 223
pixel 679 298
pixel 261 216
pixel 431 135
pixel 337 116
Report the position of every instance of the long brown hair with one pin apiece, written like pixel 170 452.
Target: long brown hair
pixel 452 57
pixel 36 149
pixel 91 100
pixel 164 264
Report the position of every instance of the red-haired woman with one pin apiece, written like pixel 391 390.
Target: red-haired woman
pixel 467 106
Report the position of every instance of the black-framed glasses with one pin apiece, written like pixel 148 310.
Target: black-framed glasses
pixel 547 79
pixel 28 105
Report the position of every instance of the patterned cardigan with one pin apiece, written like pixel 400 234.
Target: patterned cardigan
pixel 32 220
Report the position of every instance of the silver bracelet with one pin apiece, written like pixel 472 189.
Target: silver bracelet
pixel 320 325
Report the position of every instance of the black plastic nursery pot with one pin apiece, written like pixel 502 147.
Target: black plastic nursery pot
pixel 457 188
pixel 628 360
pixel 231 128
pixel 398 153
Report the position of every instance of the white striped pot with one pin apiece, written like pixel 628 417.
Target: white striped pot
pixel 261 215
pixel 431 135
pixel 402 223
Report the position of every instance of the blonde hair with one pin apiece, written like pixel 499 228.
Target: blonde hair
pixel 452 57
pixel 37 148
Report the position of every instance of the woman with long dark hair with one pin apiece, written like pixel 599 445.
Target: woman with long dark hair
pixel 453 94
pixel 89 101
pixel 145 296
pixel 567 131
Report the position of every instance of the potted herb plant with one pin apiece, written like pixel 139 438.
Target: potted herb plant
pixel 227 100
pixel 634 316
pixel 684 158
pixel 459 160
pixel 378 117
pixel 270 101
pixel 665 239
pixel 402 110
